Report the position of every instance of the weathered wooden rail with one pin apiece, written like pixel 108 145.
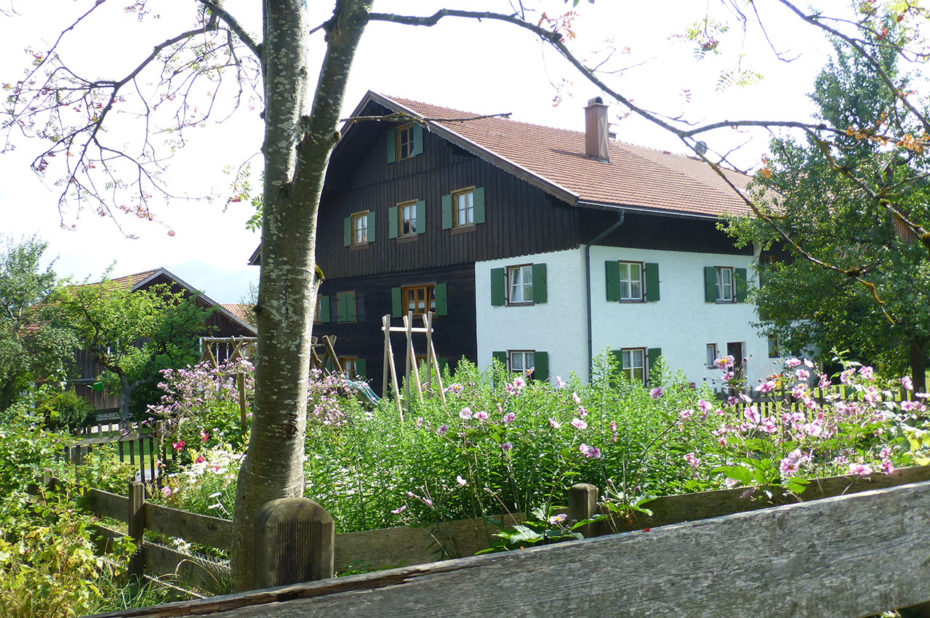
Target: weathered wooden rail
pixel 848 555
pixel 402 546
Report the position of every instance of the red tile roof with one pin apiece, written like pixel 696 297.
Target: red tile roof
pixel 635 176
pixel 244 312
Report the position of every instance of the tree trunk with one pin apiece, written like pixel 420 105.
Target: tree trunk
pixel 296 150
pixel 125 394
pixel 918 353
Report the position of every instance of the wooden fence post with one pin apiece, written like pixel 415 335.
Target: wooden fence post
pixel 294 542
pixel 582 504
pixel 136 527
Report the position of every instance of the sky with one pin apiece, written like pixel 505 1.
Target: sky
pixel 483 68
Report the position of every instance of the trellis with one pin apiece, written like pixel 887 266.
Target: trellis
pixel 230 349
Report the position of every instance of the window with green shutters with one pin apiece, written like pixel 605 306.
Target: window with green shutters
pixel 407 219
pixel 322 309
pixel 359 228
pixel 404 141
pixel 419 299
pixel 631 281
pixel 725 284
pixel 636 363
pixel 524 284
pixel 463 208
pixel 345 307
pixel 523 361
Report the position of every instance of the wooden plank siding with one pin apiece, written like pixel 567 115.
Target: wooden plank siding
pixel 520 219
pixel 453 334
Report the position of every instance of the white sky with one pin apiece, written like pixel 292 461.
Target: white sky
pixel 486 68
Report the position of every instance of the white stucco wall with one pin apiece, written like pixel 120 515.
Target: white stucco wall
pixel 680 323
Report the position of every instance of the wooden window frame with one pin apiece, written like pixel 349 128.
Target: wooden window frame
pixel 404 130
pixel 523 353
pixel 348 366
pixel 721 297
pixel 712 355
pixel 631 298
pixel 401 207
pixel 508 286
pixel 346 294
pixel 466 192
pixel 630 371
pixel 430 300
pixel 357 217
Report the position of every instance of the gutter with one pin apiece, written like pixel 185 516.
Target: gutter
pixel 587 280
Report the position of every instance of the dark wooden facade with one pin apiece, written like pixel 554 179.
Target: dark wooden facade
pixel 520 219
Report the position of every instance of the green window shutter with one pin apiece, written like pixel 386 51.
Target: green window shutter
pixel 417 140
pixel 324 309
pixel 541 363
pixel 497 287
pixel 392 144
pixel 340 307
pixel 392 222
pixel 479 204
pixel 440 295
pixel 420 217
pixel 710 284
pixel 741 284
pixel 347 231
pixel 500 357
pixel 350 307
pixel 371 226
pixel 539 283
pixel 652 282
pixel 652 355
pixel 618 359
pixel 447 211
pixel 612 269
pixel 396 309
pixel 361 368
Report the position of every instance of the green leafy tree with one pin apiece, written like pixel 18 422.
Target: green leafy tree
pixel 34 345
pixel 134 334
pixel 835 203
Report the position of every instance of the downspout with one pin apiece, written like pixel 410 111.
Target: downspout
pixel 587 279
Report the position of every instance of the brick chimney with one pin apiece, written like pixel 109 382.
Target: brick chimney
pixel 595 130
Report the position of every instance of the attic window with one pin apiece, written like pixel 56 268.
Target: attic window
pixel 404 141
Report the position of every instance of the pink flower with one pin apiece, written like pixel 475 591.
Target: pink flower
pixel 824 381
pixel 506 446
pixel 802 374
pixel 769 425
pixel 200 459
pixel 460 480
pixel 693 461
pixel 166 491
pixel 178 446
pixel 204 435
pixel 590 452
pixel 519 383
pixel 442 430
pixel 508 418
pixel 613 425
pixel 685 414
pixel 576 399
pixel 656 392
pixel 465 414
pixel 910 406
pixel 766 387
pixel 887 466
pixel 555 424
pixel 860 469
pixel 400 509
pixel 792 363
pixel 907 383
pixel 866 372
pixel 790 464
pixel 577 423
pixel 582 412
pixel 481 416
pixel 704 406
pixel 752 415
pixel 559 382
pixel 557 519
pixel 419 422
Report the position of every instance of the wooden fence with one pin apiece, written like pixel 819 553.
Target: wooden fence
pixel 849 555
pixel 403 546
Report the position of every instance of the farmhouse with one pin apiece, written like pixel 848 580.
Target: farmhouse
pixel 225 321
pixel 538 246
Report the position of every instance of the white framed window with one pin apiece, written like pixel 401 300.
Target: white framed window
pixel 521 360
pixel 726 286
pixel 633 364
pixel 711 355
pixel 407 219
pixel 631 281
pixel 520 284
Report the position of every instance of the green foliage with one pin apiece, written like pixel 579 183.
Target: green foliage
pixel 64 409
pixel 833 199
pixel 33 343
